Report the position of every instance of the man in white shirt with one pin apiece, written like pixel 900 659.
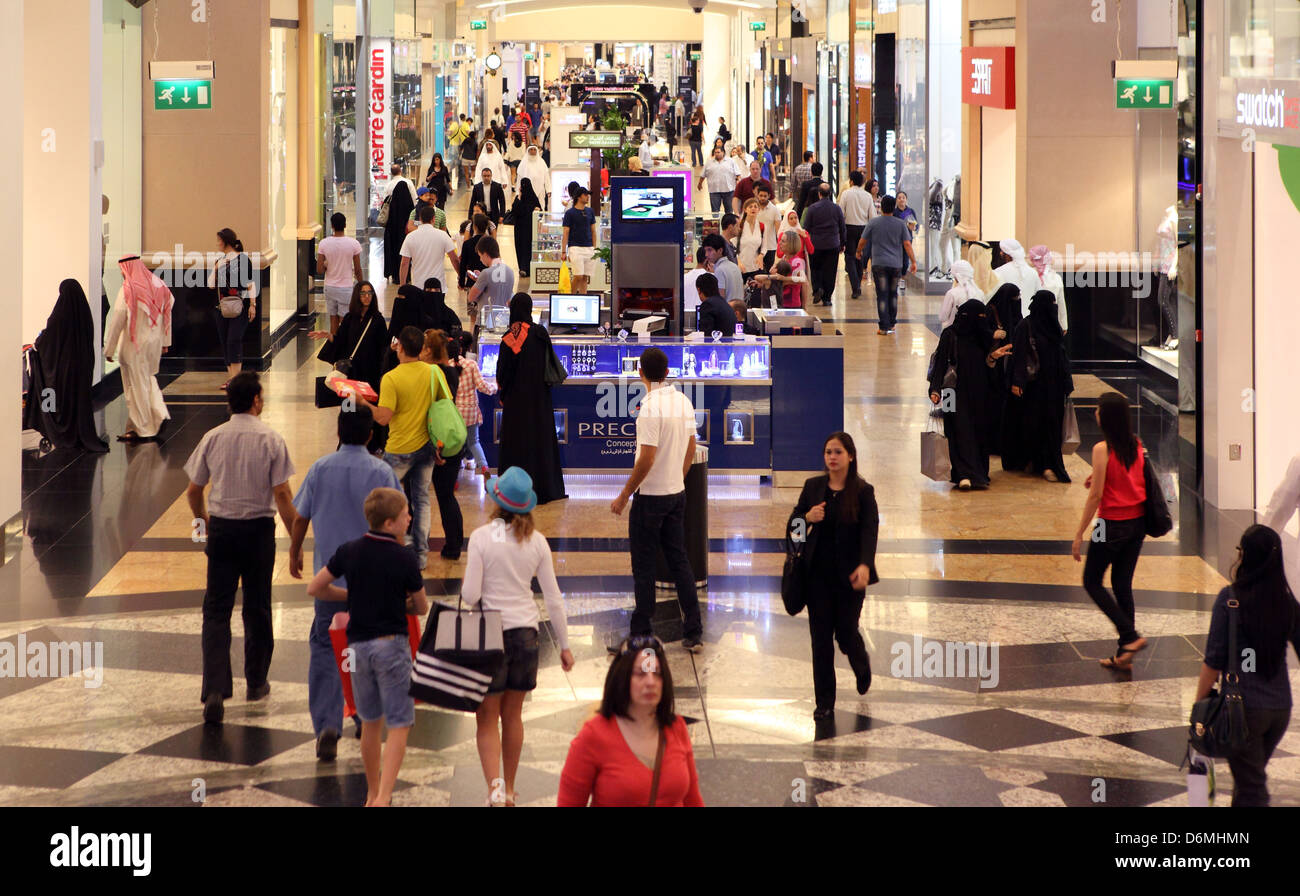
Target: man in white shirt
pixel 395 179
pixel 858 206
pixel 665 448
pixel 721 179
pixel 339 257
pixel 423 251
pixel 769 216
pixel 646 153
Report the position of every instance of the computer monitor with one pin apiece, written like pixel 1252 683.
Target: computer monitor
pixel 575 310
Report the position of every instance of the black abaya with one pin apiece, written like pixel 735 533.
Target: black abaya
pixel 400 207
pixel 62 367
pixel 406 313
pixel 1042 406
pixel 523 208
pixel 967 419
pixel 1008 441
pixel 368 360
pixel 528 437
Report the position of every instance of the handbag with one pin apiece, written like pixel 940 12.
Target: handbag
pixel 461 652
pixel 445 424
pixel 935 461
pixel 1218 724
pixel 1031 361
pixel 659 761
pixel 793 588
pixel 231 306
pixel 1155 510
pixel 1070 440
pixel 555 374
pixel 325 396
pixel 566 278
pixel 382 217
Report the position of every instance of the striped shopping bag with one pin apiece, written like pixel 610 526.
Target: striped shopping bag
pixel 461 653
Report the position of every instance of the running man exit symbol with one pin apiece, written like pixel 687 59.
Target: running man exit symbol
pixel 182 95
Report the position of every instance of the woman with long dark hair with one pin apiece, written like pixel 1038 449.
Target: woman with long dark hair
pixel 234 280
pixel 837 520
pixel 1041 382
pixel 363 337
pixel 1117 497
pixel 528 438
pixel 438 179
pixel 1267 618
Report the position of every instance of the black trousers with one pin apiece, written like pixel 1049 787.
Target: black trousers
pixel 825 264
pixel 1249 781
pixel 852 264
pixel 444 488
pixel 833 613
pixel 239 551
pixel 1117 545
pixel 654 521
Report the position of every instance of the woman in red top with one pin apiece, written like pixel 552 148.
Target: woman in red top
pixel 636 751
pixel 1117 496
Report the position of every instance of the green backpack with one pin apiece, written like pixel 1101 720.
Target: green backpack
pixel 446 425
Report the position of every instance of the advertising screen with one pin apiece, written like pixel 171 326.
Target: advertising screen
pixel 647 203
pixel 575 310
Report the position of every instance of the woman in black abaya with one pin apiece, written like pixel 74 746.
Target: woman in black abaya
pixel 1007 442
pixel 406 313
pixel 968 346
pixel 400 207
pixel 363 336
pixel 528 437
pixel 1039 341
pixel 62 367
pixel 526 202
pixel 435 314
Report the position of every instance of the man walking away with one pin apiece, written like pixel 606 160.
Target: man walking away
pixel 807 193
pixel 825 225
pixel 887 244
pixel 665 439
pixel 802 172
pixel 857 205
pixel 338 257
pixel 248 465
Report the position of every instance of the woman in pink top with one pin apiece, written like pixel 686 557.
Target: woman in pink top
pixel 1117 496
pixel 636 751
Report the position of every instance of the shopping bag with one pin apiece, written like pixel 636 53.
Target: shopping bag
pixel 566 278
pixel 1070 440
pixel 339 641
pixel 935 463
pixel 461 653
pixel 445 424
pixel 1200 778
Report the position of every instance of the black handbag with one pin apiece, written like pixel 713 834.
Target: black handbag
pixel 325 396
pixel 1218 725
pixel 1155 510
pixel 461 652
pixel 555 373
pixel 793 587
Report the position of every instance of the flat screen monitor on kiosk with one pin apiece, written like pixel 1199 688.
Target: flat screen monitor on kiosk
pixel 646 203
pixel 575 310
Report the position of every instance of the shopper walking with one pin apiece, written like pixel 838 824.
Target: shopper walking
pixel 468 158
pixel 745 186
pixel 837 519
pixel 636 751
pixel 490 194
pixel 471 382
pixel 1268 618
pixel 826 228
pixel 528 438
pixel 1116 496
pixel 339 258
pixel 802 172
pixel 504 557
pixel 526 202
pixel 859 208
pixel 665 439
pixel 808 190
pixel 438 179
pixel 720 178
pixel 749 252
pixel 436 352
pixel 887 245
pixel 495 283
pixel 235 281
pixel 139 331
pixel 470 262
pixel 1041 381
pixel 247 464
pixel 331 500
pixel 578 239
pixel 401 202
pixel 727 272
pixel 695 136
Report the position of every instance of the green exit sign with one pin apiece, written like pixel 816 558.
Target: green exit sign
pixel 529 57
pixel 668 55
pixel 182 95
pixel 695 57
pixel 865 25
pixel 758 26
pixel 478 24
pixel 1144 94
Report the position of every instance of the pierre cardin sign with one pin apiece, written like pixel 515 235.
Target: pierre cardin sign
pixel 989 77
pixel 1266 110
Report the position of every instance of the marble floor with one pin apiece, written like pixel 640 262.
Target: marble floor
pixel 105 557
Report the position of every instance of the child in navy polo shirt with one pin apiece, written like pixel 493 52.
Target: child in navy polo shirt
pixel 384 584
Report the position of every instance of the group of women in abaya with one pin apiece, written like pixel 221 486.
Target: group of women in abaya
pixel 528 438
pixel 424 309
pixel 1001 383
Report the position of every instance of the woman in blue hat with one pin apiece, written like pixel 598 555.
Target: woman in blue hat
pixel 504 557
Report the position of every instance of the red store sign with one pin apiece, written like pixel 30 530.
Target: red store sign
pixel 989 76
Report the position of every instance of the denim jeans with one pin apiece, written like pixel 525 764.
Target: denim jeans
pixel 324 687
pixel 1119 546
pixel 719 202
pixel 381 681
pixel 697 153
pixel 415 470
pixel 660 520
pixel 886 280
pixel 853 264
pixel 472 445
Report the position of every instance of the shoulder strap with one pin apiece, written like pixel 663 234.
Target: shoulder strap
pixel 1234 659
pixel 659 761
pixel 438 383
pixel 364 331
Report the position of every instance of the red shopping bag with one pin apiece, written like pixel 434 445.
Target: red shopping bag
pixel 339 641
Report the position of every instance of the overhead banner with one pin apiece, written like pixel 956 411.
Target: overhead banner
pixel 989 77
pixel 379 113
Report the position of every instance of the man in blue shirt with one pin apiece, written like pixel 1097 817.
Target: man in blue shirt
pixel 331 498
pixel 764 158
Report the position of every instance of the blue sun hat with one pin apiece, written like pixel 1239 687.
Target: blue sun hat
pixel 513 491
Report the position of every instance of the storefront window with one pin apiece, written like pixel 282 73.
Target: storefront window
pixel 282 148
pixel 1264 39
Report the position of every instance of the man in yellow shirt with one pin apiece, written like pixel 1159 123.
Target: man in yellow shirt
pixel 404 399
pixel 458 130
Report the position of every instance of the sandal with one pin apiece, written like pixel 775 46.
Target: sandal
pixel 1120 662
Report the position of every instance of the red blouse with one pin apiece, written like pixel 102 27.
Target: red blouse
pixel 602 769
pixel 1124 493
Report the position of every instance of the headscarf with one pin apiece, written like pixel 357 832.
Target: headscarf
pixel 786 225
pixel 1006 302
pixel 140 286
pixel 974 324
pixel 1040 257
pixel 534 169
pixel 521 318
pixel 1042 315
pixel 964 276
pixel 406 310
pixel 1013 250
pixel 490 157
pixel 64 361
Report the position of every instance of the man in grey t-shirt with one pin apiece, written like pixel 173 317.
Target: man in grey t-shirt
pixel 496 282
pixel 728 274
pixel 887 244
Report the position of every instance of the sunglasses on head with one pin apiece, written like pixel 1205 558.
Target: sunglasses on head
pixel 640 642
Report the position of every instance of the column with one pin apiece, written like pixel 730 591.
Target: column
pixel 715 68
pixel 11 256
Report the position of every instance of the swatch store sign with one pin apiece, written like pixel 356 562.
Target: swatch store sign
pixel 1265 110
pixel 378 110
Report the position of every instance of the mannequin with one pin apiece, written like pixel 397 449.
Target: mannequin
pixel 1042 260
pixel 1167 281
pixel 949 243
pixel 937 214
pixel 1019 272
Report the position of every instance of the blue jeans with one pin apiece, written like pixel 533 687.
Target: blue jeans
pixel 886 280
pixel 472 445
pixel 415 470
pixel 324 687
pixel 718 202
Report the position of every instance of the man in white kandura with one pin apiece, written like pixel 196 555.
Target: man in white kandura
pixel 141 321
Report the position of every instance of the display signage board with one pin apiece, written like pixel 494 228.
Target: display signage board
pixel 532 90
pixel 478 25
pixel 529 57
pixel 989 77
pixel 182 95
pixel 595 139
pixel 378 111
pixel 1144 94
pixel 685 84
pixel 1266 110
pixel 695 56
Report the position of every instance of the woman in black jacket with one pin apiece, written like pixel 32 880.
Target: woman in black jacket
pixel 837 519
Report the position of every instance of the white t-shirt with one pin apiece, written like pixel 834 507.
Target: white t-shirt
pixel 499 573
pixel 339 252
pixel 427 246
pixel 770 217
pixel 691 295
pixel 667 422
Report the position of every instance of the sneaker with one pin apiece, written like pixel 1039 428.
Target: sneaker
pixel 327 745
pixel 213 709
pixel 692 645
pixel 964 485
pixel 1050 476
pixel 257 693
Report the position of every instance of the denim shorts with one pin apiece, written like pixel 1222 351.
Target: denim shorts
pixel 519 673
pixel 381 680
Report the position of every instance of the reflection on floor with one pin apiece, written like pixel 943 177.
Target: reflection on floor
pixel 107 558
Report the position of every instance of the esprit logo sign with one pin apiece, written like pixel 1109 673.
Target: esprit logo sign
pixel 989 76
pixel 380 60
pixel 1268 109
